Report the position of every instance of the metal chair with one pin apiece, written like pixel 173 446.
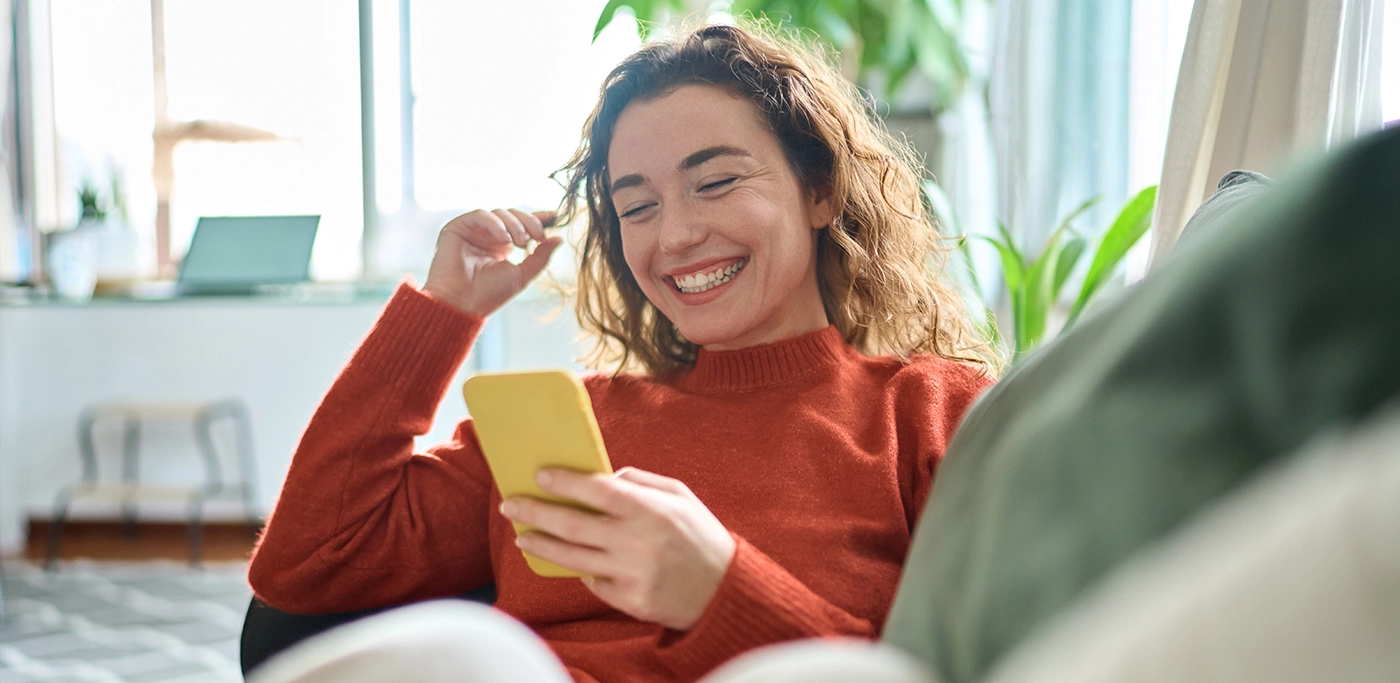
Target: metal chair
pixel 129 491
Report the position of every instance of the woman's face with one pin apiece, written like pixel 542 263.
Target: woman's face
pixel 717 229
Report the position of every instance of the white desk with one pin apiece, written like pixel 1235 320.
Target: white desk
pixel 278 355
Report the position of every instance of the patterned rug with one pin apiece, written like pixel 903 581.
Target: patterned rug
pixel 122 622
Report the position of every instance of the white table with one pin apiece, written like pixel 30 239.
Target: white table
pixel 277 354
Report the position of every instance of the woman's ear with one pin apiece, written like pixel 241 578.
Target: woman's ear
pixel 820 210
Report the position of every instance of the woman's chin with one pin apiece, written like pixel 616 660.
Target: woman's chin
pixel 712 333
pixel 708 340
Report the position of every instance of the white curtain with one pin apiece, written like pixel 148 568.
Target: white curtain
pixel 967 161
pixel 1263 82
pixel 9 234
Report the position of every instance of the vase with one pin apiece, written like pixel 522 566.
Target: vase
pixel 73 264
pixel 117 250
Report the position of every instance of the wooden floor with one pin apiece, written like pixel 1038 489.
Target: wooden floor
pixel 147 541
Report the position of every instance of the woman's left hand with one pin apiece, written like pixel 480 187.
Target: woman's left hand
pixel 656 553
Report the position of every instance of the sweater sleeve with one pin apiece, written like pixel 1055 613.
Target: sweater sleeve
pixel 362 520
pixel 932 402
pixel 758 603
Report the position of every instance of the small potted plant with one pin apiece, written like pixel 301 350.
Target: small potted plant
pixel 104 217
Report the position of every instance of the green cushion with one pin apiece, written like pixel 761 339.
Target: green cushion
pixel 1245 344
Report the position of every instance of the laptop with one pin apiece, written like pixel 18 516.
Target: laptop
pixel 232 255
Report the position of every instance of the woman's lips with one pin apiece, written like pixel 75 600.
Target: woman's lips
pixel 708 278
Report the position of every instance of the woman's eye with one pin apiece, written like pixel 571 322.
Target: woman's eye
pixel 717 184
pixel 634 211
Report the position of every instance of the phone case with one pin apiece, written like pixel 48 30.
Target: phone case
pixel 527 421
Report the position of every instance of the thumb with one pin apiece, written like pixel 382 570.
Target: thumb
pixel 531 265
pixel 651 480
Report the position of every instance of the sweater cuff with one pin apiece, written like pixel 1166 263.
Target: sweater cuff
pixel 417 340
pixel 758 603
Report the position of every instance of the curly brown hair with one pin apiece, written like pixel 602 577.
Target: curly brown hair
pixel 877 262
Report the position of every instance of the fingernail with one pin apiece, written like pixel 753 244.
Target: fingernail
pixel 544 478
pixel 520 541
pixel 508 508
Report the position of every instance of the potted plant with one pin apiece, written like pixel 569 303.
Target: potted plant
pixel 117 247
pixel 1034 281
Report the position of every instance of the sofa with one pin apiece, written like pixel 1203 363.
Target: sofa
pixel 1275 327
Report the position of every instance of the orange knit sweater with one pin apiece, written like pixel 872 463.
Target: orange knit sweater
pixel 816 458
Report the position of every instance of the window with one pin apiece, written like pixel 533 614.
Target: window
pixel 289 69
pixel 499 93
pixel 493 110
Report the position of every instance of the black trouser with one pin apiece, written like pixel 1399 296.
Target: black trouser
pixel 268 630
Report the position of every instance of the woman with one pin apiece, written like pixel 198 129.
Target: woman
pixel 754 243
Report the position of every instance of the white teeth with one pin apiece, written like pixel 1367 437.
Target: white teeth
pixel 700 282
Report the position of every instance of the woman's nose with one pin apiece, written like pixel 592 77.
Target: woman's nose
pixel 680 230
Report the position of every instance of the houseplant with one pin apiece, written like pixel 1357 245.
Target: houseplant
pixel 881 41
pixel 1034 281
pixel 104 222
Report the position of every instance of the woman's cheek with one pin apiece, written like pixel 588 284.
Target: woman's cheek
pixel 637 255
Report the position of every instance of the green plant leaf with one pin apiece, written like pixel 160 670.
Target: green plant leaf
pixel 1013 269
pixel 1069 258
pixel 1014 272
pixel 640 9
pixel 647 12
pixel 1011 244
pixel 1129 227
pixel 897 71
pixel 872 26
pixel 830 24
pixel 938 53
pixel 1040 294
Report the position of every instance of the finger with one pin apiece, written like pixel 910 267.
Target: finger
pixel 653 480
pixel 531 265
pixel 582 559
pixel 598 491
pixel 534 227
pixel 479 227
pixel 546 218
pixel 513 226
pixel 569 524
pixel 604 587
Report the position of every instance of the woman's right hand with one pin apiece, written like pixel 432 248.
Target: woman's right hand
pixel 470 270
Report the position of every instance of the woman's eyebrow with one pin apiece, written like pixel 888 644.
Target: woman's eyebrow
pixel 709 153
pixel 626 181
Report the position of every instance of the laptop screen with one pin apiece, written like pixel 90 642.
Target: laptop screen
pixel 241 252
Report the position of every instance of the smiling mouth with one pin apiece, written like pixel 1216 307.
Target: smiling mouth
pixel 699 282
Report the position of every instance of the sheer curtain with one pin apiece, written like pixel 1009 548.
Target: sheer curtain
pixel 1059 101
pixel 1261 83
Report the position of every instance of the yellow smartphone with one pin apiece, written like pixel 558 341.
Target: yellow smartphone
pixel 527 421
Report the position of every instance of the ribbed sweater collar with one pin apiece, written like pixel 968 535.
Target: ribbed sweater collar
pixel 768 365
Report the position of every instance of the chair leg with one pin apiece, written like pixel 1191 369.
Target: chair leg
pixel 55 540
pixel 195 533
pixel 131 469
